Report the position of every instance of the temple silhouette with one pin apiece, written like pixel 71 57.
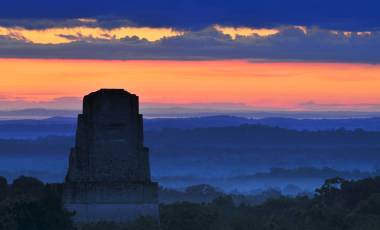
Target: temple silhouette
pixel 109 174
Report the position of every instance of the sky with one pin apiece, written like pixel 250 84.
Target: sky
pixel 290 55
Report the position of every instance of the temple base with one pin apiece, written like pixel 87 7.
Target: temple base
pixel 111 201
pixel 118 213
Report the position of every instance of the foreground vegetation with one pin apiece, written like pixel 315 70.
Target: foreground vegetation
pixel 28 204
pixel 339 204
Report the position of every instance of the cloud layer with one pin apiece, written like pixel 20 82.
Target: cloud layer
pixel 215 42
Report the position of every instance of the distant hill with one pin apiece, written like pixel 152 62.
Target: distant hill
pixel 63 126
pixel 30 129
pixel 371 124
pixel 259 138
pixel 37 113
pixel 178 111
pixel 264 142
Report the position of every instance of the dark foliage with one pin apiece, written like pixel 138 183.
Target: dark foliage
pixel 142 223
pixel 3 188
pixel 31 205
pixel 338 205
pixel 204 193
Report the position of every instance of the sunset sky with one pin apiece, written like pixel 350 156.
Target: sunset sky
pixel 270 85
pixel 249 55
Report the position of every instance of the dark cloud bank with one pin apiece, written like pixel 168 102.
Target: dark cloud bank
pixel 289 44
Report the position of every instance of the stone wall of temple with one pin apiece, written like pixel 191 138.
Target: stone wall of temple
pixel 109 163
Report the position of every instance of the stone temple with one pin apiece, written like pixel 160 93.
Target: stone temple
pixel 109 174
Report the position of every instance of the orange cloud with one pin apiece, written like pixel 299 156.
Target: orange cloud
pixel 283 85
pixel 93 20
pixel 245 31
pixel 59 35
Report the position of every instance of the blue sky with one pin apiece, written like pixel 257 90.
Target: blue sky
pixel 196 14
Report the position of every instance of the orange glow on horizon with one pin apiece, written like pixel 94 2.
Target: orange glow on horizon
pixel 270 85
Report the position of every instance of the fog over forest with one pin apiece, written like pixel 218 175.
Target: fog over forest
pixel 232 153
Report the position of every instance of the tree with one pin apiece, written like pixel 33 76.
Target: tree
pixel 27 187
pixel 187 216
pixel 30 205
pixel 3 188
